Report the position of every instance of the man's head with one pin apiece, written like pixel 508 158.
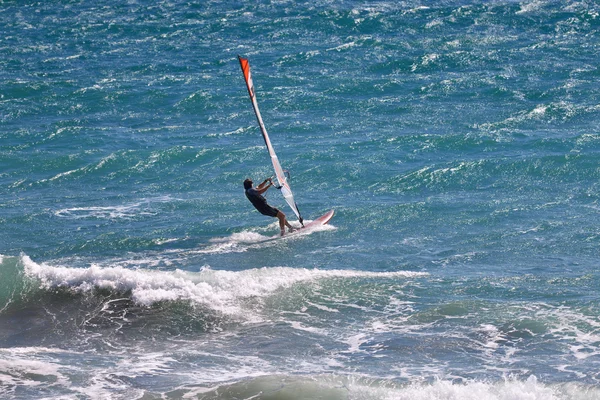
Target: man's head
pixel 248 183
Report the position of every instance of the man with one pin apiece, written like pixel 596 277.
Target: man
pixel 260 203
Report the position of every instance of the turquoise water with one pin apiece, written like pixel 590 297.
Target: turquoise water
pixel 457 142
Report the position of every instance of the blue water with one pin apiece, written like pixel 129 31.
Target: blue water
pixel 457 141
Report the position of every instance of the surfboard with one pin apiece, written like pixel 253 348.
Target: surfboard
pixel 322 220
pixel 306 228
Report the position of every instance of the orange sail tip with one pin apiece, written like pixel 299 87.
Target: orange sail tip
pixel 245 67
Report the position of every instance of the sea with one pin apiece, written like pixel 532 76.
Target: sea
pixel 457 141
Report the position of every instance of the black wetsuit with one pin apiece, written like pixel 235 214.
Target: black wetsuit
pixel 260 203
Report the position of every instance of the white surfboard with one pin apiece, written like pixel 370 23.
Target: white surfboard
pixel 322 220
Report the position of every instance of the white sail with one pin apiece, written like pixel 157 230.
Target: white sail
pixel 286 191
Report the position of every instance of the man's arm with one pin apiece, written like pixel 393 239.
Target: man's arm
pixel 264 186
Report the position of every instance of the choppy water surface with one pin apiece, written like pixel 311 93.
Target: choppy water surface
pixel 456 140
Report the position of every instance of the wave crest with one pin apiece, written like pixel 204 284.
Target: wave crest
pixel 222 291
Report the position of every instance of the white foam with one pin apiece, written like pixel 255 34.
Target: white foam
pixel 239 242
pixel 342 387
pixel 109 212
pixel 580 332
pixel 223 291
pixel 354 342
pixel 530 6
pixel 125 211
pixel 235 243
pixel 301 327
pixel 508 389
pixel 17 371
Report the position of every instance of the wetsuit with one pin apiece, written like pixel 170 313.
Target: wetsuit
pixel 260 203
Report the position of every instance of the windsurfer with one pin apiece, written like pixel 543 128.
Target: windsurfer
pixel 255 195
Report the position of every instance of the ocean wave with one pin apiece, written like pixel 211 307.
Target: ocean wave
pixel 558 112
pixel 535 172
pixel 52 303
pixel 344 387
pixel 219 290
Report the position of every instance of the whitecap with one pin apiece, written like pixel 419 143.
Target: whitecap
pixel 223 291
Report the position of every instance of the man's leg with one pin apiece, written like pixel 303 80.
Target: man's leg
pixel 281 217
pixel 283 222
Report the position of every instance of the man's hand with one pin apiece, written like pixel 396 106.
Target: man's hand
pixel 263 186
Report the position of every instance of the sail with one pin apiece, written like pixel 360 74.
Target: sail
pixel 286 191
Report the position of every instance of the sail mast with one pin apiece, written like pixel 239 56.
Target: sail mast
pixel 281 177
